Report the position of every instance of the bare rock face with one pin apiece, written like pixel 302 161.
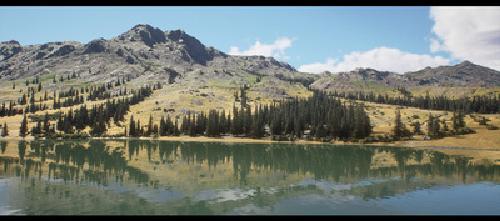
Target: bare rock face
pixel 463 74
pixel 193 47
pixel 142 50
pixel 144 33
pixel 175 55
pixel 64 50
pixel 9 49
pixel 95 46
pixel 358 79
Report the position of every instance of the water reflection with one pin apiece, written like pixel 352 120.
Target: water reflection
pixel 206 178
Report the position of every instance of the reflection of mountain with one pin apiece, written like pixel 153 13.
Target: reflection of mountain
pixel 234 175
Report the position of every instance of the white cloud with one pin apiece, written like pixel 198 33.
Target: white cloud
pixel 381 58
pixel 468 33
pixel 319 67
pixel 276 49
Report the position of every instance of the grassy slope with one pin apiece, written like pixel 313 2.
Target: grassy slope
pixel 193 94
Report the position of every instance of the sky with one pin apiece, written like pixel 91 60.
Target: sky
pixel 312 39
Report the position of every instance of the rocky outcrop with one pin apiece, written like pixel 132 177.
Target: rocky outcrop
pixel 9 49
pixel 193 47
pixel 63 50
pixel 142 49
pixel 174 54
pixel 147 34
pixel 359 79
pixel 463 74
pixel 95 46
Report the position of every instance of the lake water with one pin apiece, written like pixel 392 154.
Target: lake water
pixel 160 177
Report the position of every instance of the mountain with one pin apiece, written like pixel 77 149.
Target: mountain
pixel 359 79
pixel 136 50
pixel 463 74
pixel 442 79
pixel 146 53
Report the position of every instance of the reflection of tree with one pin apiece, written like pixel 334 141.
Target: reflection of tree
pixel 69 160
pixel 97 163
pixel 461 167
pixel 22 150
pixel 194 208
pixel 3 146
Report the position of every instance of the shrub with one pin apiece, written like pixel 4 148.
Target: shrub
pixel 491 127
pixel 464 130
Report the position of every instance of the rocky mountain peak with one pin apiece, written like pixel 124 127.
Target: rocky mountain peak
pixel 196 50
pixel 463 74
pixel 95 46
pixel 145 33
pixel 463 63
pixel 11 42
pixel 9 49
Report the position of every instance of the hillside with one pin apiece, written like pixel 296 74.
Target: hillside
pixel 464 74
pixel 464 79
pixel 195 78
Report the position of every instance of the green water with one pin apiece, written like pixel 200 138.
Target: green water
pixel 160 177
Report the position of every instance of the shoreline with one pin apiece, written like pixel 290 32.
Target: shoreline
pixel 231 139
pixel 478 151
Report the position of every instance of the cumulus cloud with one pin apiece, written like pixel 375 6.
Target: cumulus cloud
pixel 381 58
pixel 275 49
pixel 468 33
pixel 318 67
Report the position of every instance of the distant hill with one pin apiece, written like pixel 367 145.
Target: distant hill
pixel 463 74
pixel 360 79
pixel 458 79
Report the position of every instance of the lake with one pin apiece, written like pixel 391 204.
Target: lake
pixel 164 177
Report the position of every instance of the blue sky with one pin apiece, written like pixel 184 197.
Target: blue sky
pixel 315 35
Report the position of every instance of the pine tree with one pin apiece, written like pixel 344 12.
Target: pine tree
pixel 416 127
pixel 398 125
pixel 46 124
pixel 163 127
pixel 433 127
pixel 482 120
pixel 176 127
pixel 5 131
pixel 430 125
pixel 24 126
pixel 150 126
pixel 436 126
pixel 132 129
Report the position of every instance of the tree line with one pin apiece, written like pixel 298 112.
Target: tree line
pixel 97 117
pixel 320 116
pixel 436 128
pixel 9 110
pixel 485 104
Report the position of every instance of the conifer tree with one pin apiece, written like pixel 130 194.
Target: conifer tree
pixel 5 131
pixel 398 125
pixel 132 128
pixel 150 126
pixel 416 127
pixel 46 124
pixel 24 126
